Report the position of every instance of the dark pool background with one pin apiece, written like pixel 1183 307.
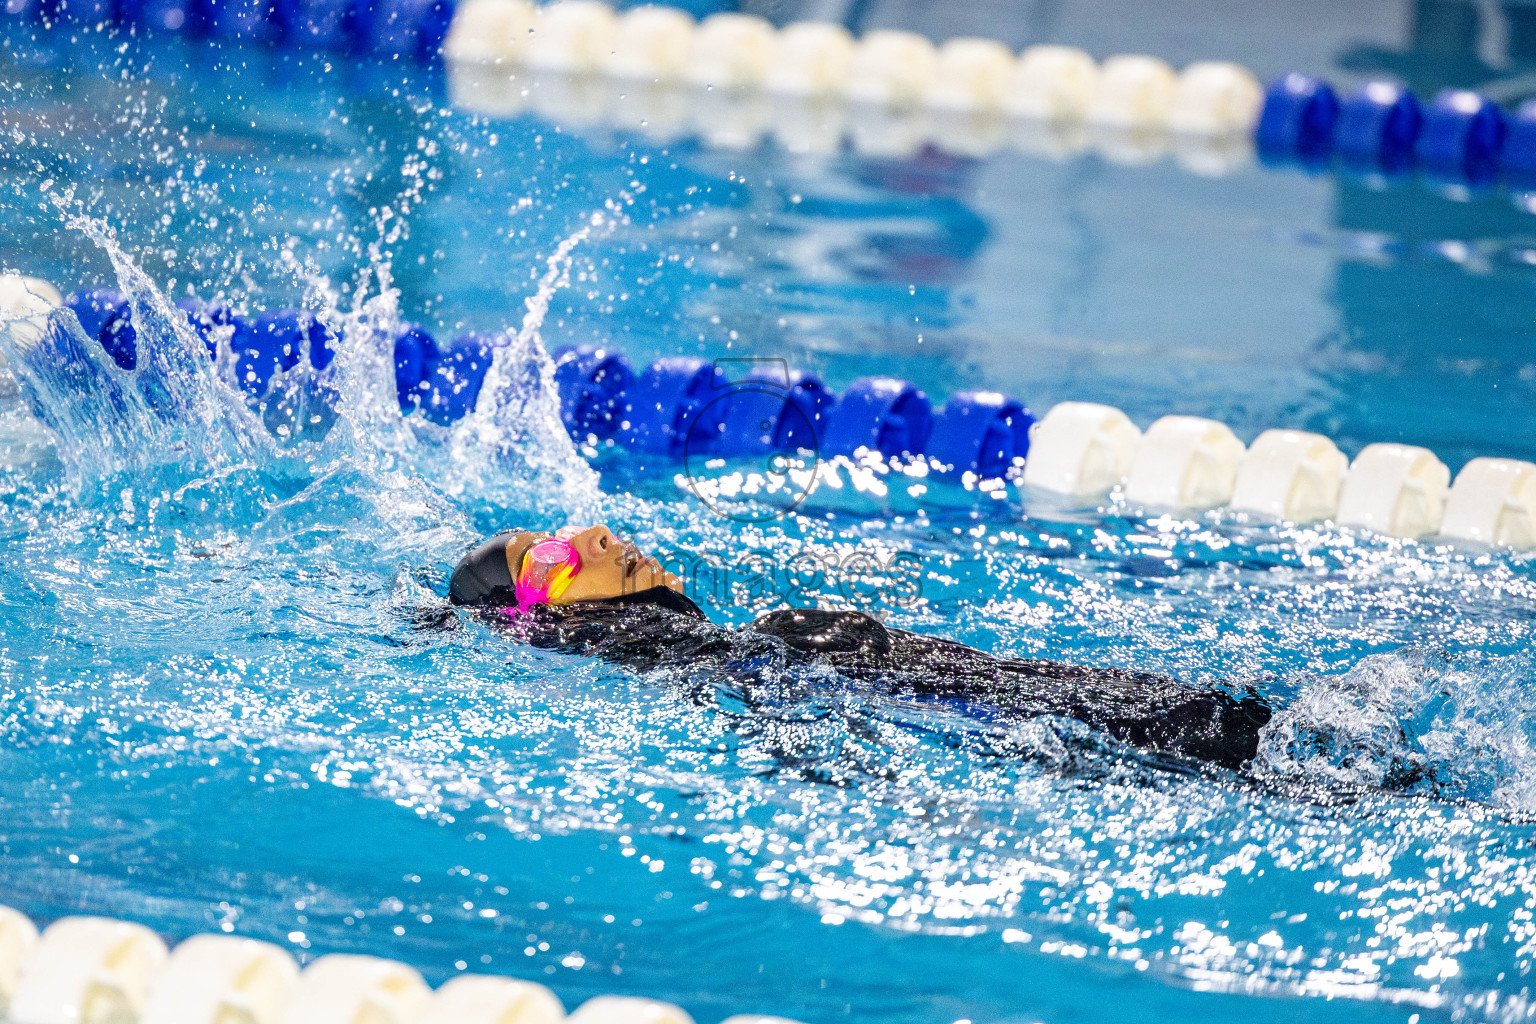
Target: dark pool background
pixel 222 708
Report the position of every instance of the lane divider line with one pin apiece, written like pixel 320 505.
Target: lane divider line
pixel 683 407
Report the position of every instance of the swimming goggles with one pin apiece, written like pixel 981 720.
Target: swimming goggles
pixel 548 568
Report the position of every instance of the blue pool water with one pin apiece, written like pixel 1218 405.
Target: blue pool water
pixel 223 708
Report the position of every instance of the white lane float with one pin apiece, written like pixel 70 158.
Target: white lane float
pixel 1057 141
pixel 1052 83
pixel 1216 98
pixel 17 937
pixel 581 101
pixel 971 74
pixel 488 88
pixel 1080 450
pixel 975 134
pixel 343 988
pixel 628 1010
pixel 479 999
pixel 652 44
pixel 25 303
pixel 88 970
pixel 222 979
pixel 810 58
pixel 1133 92
pixel 1130 146
pixel 731 51
pixel 572 36
pixel 490 30
pixel 808 124
pixel 953 97
pixel 1186 463
pixel 27 296
pixel 1395 489
pixel 1292 476
pixel 657 110
pixel 892 68
pixel 1212 156
pixel 888 133
pixel 1493 502
pixel 731 119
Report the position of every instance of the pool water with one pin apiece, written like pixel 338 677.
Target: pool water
pixel 229 703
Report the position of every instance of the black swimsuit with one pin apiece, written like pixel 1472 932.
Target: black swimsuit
pixel 658 629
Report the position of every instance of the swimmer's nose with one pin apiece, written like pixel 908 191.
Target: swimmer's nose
pixel 596 543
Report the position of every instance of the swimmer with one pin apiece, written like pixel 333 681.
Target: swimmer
pixel 583 591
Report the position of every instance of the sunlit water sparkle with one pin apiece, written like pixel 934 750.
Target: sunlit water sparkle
pixel 225 706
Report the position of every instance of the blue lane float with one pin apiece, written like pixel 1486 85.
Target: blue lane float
pixel 454 376
pixel 94 307
pixel 93 11
pixel 881 414
pixel 104 314
pixel 805 417
pixel 410 28
pixel 258 21
pixel 980 432
pixel 443 382
pixel 277 341
pixel 415 354
pixel 1462 136
pixel 592 382
pixel 413 29
pixel 341 25
pixel 171 15
pixel 677 406
pixel 1517 160
pixel 1378 127
pixel 1297 121
pixel 205 317
pixel 775 411
pixel 117 336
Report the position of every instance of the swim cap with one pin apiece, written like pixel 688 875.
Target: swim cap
pixel 482 576
pixel 548 568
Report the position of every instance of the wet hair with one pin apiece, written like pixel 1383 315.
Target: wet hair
pixel 661 597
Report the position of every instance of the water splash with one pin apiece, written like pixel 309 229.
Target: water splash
pixel 515 426
pixel 194 415
pixel 313 430
pixel 1415 721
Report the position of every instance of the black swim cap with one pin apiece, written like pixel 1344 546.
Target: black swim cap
pixel 482 576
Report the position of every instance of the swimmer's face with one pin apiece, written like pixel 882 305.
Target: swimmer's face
pixel 609 567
